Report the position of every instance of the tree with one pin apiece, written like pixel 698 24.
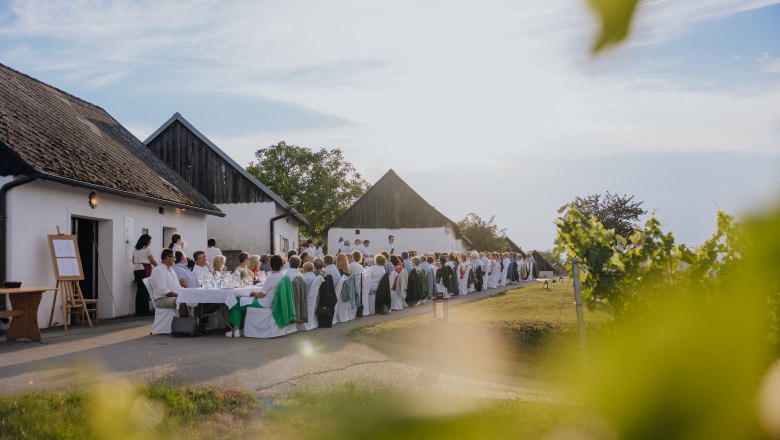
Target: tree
pixel 552 256
pixel 614 212
pixel 484 234
pixel 320 185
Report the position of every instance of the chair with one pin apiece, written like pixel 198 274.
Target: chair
pixel 260 323
pixel 311 301
pixel 163 317
pixel 341 311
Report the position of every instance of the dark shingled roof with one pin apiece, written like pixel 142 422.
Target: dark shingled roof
pixel 392 204
pixel 57 136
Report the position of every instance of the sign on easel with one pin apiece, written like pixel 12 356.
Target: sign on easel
pixel 66 260
pixel 65 257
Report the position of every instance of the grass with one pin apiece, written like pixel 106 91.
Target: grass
pixel 519 333
pixel 346 413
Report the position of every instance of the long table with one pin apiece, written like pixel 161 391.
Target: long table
pixel 194 296
pixel 24 311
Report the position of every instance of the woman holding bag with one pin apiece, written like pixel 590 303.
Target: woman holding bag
pixel 143 261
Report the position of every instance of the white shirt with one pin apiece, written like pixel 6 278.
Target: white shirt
pixel 141 256
pixel 210 254
pixel 269 288
pixel 364 250
pixel 292 273
pixel 198 270
pixel 318 252
pixel 377 272
pixel 163 280
pixel 391 247
pixel 333 271
pixel 308 277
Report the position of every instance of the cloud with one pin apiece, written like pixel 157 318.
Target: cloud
pixel 769 64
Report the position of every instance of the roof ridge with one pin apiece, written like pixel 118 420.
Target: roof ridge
pixel 70 95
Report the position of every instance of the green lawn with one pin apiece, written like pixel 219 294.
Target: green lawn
pixel 520 333
pixel 348 413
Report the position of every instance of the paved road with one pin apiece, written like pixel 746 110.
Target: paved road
pixel 318 359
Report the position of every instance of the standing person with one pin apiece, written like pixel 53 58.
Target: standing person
pixel 445 277
pixel 177 243
pixel 318 252
pixel 340 248
pixel 212 251
pixel 390 248
pixel 143 261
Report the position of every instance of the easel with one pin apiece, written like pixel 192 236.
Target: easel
pixel 68 271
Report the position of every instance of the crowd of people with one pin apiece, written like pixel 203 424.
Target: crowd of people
pixel 349 284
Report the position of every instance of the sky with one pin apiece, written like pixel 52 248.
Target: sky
pixel 494 107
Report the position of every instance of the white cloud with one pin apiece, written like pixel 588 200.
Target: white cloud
pixel 769 63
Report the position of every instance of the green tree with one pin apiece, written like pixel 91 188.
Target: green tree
pixel 552 256
pixel 618 213
pixel 484 234
pixel 320 185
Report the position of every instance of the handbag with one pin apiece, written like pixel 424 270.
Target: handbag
pixel 186 327
pixel 147 269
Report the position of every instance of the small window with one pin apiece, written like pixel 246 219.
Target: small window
pixel 357 231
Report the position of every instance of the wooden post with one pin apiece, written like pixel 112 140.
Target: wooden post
pixel 578 301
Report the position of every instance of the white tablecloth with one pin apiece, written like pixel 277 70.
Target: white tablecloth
pixel 193 297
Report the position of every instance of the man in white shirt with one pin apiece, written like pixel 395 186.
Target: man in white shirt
pixel 294 262
pixel 331 269
pixel 165 284
pixel 201 268
pixel 390 248
pixel 212 252
pixel 346 247
pixel 364 249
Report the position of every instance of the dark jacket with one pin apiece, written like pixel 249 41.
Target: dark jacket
pixel 382 299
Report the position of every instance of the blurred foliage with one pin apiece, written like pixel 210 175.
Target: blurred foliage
pixel 695 329
pixel 615 20
pixel 116 410
pixel 309 180
pixel 483 234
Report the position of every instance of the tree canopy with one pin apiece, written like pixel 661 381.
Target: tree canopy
pixel 615 212
pixel 484 234
pixel 320 184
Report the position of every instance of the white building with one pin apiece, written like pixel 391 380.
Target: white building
pixel 256 219
pixel 56 149
pixel 392 207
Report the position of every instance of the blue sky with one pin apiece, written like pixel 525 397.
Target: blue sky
pixel 492 106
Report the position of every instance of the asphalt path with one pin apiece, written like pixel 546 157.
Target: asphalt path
pixel 319 359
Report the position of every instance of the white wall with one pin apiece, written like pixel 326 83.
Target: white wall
pixel 422 240
pixel 36 209
pixel 246 227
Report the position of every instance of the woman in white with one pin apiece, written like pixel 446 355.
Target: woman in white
pixel 464 269
pixel 143 261
pixel 371 278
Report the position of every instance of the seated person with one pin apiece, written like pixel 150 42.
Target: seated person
pixel 219 263
pixel 201 267
pixel 294 263
pixel 183 273
pixel 243 265
pixel 165 283
pixel 263 298
pixel 308 274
